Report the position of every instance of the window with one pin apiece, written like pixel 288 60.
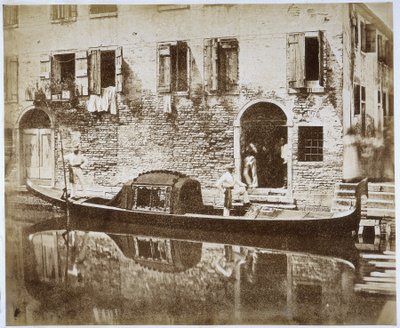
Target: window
pixel 305 59
pixel 11 79
pixel 221 65
pixel 310 143
pixel 368 37
pixel 63 12
pixel 152 198
pixel 103 9
pixel 357 103
pixel 173 67
pixel 10 15
pixel 105 70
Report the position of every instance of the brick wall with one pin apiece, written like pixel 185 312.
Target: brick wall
pixel 197 138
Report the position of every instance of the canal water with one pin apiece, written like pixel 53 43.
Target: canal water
pixel 100 272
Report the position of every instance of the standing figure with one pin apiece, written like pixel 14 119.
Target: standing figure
pixel 284 157
pixel 351 160
pixel 76 162
pixel 250 167
pixel 226 184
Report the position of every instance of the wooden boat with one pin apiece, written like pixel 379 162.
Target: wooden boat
pixel 172 200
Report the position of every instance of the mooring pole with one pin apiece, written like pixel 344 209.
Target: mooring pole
pixel 66 203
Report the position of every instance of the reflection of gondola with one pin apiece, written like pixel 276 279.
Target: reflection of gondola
pixel 342 247
pixel 169 199
pixel 159 253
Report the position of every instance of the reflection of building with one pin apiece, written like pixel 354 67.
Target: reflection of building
pixel 127 277
pixel 292 287
pixel 139 96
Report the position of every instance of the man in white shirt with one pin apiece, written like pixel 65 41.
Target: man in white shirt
pixel 76 162
pixel 226 184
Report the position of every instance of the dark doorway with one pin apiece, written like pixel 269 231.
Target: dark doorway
pixel 264 126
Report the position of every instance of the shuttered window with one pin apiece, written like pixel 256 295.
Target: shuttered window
pixel 10 15
pixel 63 12
pixel 370 35
pixel 311 142
pixel 173 67
pixel 11 79
pixel 105 70
pixel 305 59
pixel 221 65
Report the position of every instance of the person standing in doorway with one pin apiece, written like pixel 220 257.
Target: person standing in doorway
pixel 250 167
pixel 226 184
pixel 284 157
pixel 76 162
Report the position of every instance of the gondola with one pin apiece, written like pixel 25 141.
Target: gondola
pixel 167 199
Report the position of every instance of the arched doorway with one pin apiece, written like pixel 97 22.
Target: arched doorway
pixel 36 155
pixel 264 125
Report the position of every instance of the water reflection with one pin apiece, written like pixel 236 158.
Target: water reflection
pixel 127 274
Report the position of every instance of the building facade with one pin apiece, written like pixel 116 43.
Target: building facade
pixel 191 87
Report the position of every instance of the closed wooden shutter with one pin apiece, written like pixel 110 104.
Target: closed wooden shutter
pixel 389 53
pixel 321 58
pixel 95 72
pixel 11 79
pixel 370 38
pixel 81 73
pixel 296 60
pixel 228 64
pixel 119 77
pixel 363 37
pixel 164 68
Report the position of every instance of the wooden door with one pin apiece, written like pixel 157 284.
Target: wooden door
pixel 37 152
pixel 45 158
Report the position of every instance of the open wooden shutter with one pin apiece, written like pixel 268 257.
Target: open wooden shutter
pixel 380 48
pixel 321 58
pixel 95 72
pixel 370 32
pixel 164 68
pixel 296 60
pixel 119 77
pixel 388 54
pixel 211 65
pixel 81 73
pixel 45 74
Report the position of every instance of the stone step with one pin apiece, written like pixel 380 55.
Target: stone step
pixel 381 195
pixel 345 186
pixel 381 187
pixel 270 199
pixel 343 202
pixel 280 206
pixel 345 193
pixel 268 191
pixel 380 212
pixel 378 203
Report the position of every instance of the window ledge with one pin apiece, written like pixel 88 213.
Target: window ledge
pixel 103 15
pixel 9 27
pixel 162 8
pixel 9 102
pixel 63 20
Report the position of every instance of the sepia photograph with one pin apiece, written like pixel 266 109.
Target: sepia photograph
pixel 199 163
